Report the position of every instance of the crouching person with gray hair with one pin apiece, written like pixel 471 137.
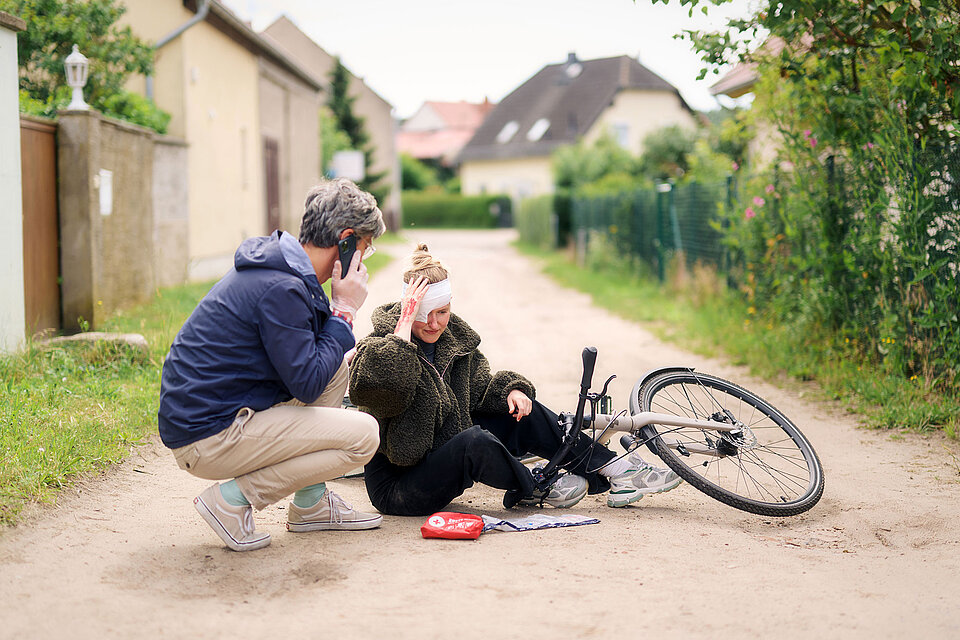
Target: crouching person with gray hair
pixel 252 387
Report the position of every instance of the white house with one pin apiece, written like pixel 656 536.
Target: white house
pixel 561 104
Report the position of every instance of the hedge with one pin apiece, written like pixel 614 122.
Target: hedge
pixel 536 223
pixel 450 210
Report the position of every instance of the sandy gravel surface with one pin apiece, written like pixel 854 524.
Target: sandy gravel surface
pixel 125 555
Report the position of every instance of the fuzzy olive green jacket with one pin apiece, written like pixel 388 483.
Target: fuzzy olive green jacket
pixel 420 405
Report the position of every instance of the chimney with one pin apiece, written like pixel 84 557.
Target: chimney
pixel 570 70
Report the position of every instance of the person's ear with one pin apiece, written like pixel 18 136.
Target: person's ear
pixel 345 233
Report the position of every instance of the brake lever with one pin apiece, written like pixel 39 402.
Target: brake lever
pixel 606 384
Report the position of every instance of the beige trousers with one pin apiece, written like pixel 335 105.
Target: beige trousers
pixel 274 452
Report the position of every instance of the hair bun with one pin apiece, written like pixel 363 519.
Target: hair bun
pixel 424 264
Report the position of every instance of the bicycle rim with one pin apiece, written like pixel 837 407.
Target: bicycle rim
pixel 770 468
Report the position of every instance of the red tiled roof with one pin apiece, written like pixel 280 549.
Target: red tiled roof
pixel 444 144
pixel 460 119
pixel 461 115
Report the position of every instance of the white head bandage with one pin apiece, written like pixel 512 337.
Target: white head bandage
pixel 438 295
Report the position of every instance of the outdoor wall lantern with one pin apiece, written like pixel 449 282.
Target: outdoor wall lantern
pixel 77 66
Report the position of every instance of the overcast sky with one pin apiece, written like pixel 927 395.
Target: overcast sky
pixel 410 51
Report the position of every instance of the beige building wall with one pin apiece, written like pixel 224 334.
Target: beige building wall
pixel 225 159
pixel 288 114
pixel 382 128
pixel 152 20
pixel 635 113
pixel 517 177
pixel 209 83
pixel 380 123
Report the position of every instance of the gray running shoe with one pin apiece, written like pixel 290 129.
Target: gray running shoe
pixel 330 513
pixel 566 491
pixel 233 524
pixel 642 479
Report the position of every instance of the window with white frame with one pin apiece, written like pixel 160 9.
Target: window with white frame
pixel 621 133
pixel 508 131
pixel 538 129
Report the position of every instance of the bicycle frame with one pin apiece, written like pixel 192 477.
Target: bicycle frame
pixel 633 424
pixel 573 424
pixel 743 485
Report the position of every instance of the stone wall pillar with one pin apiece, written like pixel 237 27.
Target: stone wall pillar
pixel 106 216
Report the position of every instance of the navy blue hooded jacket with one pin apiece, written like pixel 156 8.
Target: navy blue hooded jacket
pixel 262 335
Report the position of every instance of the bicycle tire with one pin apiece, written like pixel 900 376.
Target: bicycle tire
pixel 778 474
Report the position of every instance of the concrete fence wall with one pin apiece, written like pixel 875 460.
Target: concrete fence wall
pixel 122 222
pixel 171 212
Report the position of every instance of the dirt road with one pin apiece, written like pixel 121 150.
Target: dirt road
pixel 125 555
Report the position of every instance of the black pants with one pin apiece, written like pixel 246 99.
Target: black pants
pixel 484 453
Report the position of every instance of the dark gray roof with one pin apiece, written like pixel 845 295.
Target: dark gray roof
pixel 570 104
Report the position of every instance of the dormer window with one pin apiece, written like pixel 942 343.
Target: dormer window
pixel 508 131
pixel 538 129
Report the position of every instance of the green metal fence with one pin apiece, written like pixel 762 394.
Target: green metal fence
pixel 654 226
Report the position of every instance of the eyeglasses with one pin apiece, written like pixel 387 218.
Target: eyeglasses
pixel 369 251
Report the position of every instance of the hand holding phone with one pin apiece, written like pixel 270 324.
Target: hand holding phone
pixel 348 289
pixel 346 248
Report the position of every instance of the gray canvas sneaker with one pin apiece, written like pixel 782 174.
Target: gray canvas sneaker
pixel 233 524
pixel 566 491
pixel 642 479
pixel 330 513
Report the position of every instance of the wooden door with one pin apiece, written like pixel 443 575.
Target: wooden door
pixel 271 170
pixel 41 227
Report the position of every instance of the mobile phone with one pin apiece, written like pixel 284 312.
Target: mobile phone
pixel 346 247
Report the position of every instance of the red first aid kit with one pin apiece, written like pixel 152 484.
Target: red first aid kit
pixel 454 526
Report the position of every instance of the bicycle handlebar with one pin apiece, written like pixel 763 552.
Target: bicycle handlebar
pixel 571 425
pixel 589 362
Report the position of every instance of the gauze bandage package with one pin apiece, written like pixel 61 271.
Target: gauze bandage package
pixel 438 295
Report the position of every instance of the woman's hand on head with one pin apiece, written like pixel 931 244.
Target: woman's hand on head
pixel 410 305
pixel 518 404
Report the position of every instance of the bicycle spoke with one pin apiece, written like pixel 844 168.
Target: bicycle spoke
pixel 766 463
pixel 786 476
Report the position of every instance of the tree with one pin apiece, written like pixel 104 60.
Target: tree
pixel 833 48
pixel 53 27
pixel 666 151
pixel 332 138
pixel 580 164
pixel 341 103
pixel 856 229
pixel 416 175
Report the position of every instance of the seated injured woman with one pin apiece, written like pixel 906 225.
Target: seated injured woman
pixel 447 422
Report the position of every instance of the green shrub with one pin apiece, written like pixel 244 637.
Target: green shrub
pixel 431 209
pixel 536 222
pixel 126 106
pixel 137 109
pixel 416 175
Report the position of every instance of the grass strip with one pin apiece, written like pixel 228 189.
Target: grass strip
pixel 72 408
pixel 720 324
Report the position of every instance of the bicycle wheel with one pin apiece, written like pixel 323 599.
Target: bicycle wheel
pixel 767 467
